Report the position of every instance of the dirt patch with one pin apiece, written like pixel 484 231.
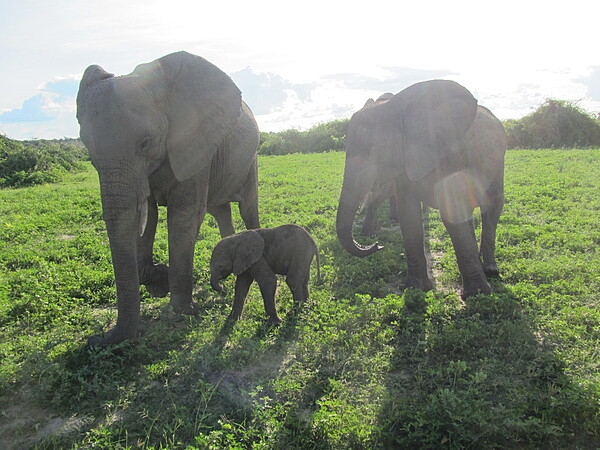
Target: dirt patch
pixel 23 424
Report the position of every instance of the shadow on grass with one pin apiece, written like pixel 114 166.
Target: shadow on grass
pixel 477 373
pixel 480 375
pixel 182 377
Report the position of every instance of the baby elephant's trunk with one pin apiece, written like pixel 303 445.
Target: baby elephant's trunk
pixel 215 284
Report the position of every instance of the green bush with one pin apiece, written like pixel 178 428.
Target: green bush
pixel 321 138
pixel 555 124
pixel 35 162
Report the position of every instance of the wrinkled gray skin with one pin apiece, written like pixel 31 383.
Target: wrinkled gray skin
pixel 380 193
pixel 260 255
pixel 174 133
pixel 437 146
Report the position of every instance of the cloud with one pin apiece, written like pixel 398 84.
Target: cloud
pixel 33 110
pixel 54 104
pixel 48 114
pixel 268 92
pixel 279 103
pixel 393 79
pixel 64 87
pixel 592 83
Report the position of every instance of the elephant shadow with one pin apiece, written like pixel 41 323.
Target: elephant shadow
pixel 454 376
pixel 179 375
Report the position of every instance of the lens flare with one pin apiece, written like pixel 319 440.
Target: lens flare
pixel 457 195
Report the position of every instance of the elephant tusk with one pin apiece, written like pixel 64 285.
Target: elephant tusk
pixel 143 217
pixel 365 202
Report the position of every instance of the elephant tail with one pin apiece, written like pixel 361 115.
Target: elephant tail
pixel 318 258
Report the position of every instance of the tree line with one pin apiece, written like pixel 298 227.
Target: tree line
pixel 555 124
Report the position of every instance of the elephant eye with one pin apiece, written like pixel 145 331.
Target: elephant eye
pixel 146 144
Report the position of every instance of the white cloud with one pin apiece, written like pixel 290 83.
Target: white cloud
pixel 289 58
pixel 50 113
pixel 33 110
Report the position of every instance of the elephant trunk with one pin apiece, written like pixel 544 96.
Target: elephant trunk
pixel 354 190
pixel 122 211
pixel 215 284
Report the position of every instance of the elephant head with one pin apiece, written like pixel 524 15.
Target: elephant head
pixel 174 112
pixel 407 135
pixel 178 107
pixel 235 254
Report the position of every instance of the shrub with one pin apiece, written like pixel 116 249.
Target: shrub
pixel 555 124
pixel 321 138
pixel 34 162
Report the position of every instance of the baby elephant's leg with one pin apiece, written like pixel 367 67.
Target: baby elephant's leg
pixel 297 281
pixel 267 281
pixel 242 285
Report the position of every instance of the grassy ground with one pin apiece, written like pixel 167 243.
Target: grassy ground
pixel 362 365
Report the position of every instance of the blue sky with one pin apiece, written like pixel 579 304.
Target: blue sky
pixel 300 63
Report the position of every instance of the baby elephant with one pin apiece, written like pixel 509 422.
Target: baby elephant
pixel 259 255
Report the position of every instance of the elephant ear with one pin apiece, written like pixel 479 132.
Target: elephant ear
pixel 369 102
pixel 92 75
pixel 249 249
pixel 202 104
pixel 435 116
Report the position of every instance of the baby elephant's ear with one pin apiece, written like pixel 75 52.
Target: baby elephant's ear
pixel 249 249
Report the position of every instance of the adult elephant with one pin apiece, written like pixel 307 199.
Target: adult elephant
pixel 175 132
pixel 438 147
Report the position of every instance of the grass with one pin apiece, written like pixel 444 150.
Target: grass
pixel 362 365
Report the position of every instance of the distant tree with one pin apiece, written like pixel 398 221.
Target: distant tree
pixel 321 138
pixel 555 124
pixel 41 161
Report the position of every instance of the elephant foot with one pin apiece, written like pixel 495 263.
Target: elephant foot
pixel 157 283
pixel 491 271
pixel 423 283
pixel 234 317
pixel 274 321
pixel 190 308
pixel 112 337
pixel 473 290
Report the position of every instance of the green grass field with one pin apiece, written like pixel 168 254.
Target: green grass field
pixel 361 366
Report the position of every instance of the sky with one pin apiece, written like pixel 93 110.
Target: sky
pixel 300 63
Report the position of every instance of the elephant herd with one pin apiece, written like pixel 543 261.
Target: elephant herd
pixel 176 133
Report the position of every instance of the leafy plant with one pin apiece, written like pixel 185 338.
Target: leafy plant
pixel 323 137
pixel 555 124
pixel 362 364
pixel 35 162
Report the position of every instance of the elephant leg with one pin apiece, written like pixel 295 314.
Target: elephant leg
pixel 463 239
pixel 122 225
pixel 371 225
pixel 393 206
pixel 222 214
pixel 297 281
pixel 490 216
pixel 154 277
pixel 128 299
pixel 249 202
pixel 186 210
pixel 242 286
pixel 267 281
pixel 411 224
